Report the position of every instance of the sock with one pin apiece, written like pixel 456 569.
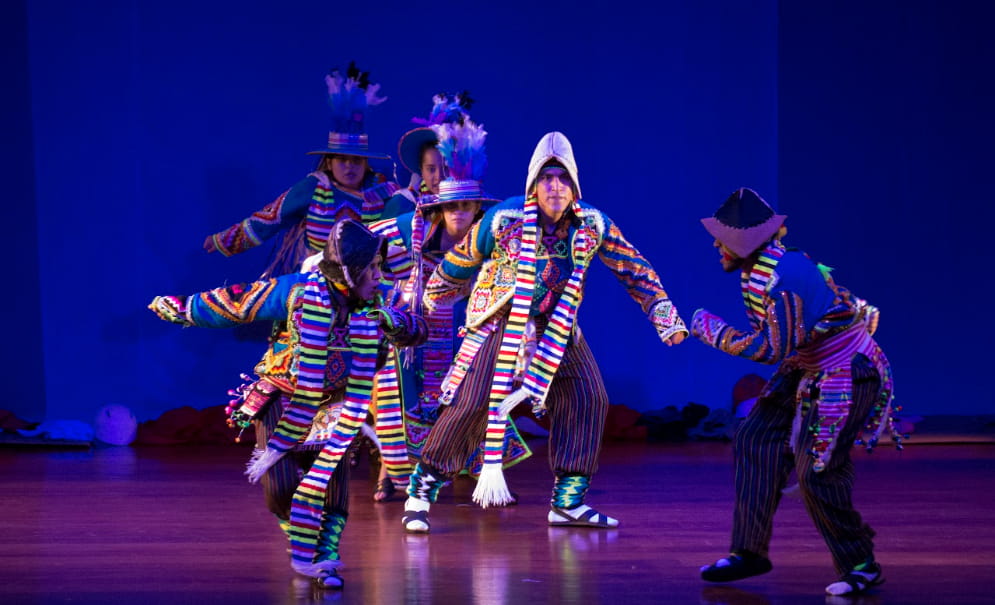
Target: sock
pixel 284 526
pixel 416 505
pixel 332 524
pixel 569 491
pixel 424 484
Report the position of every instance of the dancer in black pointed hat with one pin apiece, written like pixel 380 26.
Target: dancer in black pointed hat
pixel 833 382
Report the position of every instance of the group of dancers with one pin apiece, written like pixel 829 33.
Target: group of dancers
pixel 429 312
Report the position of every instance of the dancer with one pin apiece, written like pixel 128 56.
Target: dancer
pixel 409 389
pixel 832 380
pixel 532 254
pixel 342 186
pixel 416 150
pixel 314 389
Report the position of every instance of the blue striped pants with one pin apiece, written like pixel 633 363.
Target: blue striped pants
pixel 281 480
pixel 577 405
pixel 763 461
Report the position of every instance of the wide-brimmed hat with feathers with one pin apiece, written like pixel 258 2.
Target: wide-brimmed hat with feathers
pixel 462 146
pixel 350 97
pixel 744 222
pixel 446 108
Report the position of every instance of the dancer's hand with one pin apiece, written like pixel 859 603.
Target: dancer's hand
pixel 675 339
pixel 209 244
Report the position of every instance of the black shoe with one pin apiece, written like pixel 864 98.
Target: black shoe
pixel 736 567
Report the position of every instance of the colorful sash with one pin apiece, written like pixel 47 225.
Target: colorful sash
pixel 390 429
pixel 390 422
pixel 308 503
pixel 756 282
pixel 828 372
pixel 307 396
pixel 464 359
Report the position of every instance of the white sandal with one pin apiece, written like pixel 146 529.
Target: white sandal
pixel 580 516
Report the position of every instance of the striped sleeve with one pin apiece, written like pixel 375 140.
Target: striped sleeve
pixel 448 283
pixel 232 305
pixel 398 263
pixel 282 213
pixel 780 332
pixel 641 281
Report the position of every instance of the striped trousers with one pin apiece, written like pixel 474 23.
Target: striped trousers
pixel 763 461
pixel 282 479
pixel 577 405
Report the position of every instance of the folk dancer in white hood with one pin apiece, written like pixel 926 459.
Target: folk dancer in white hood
pixel 532 254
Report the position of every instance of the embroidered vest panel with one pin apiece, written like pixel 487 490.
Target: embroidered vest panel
pixel 280 363
pixel 495 283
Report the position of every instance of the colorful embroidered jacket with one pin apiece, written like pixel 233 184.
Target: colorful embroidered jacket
pixel 802 319
pixel 492 247
pixel 314 204
pixel 280 299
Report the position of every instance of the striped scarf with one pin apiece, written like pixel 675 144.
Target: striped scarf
pixel 308 501
pixel 756 281
pixel 414 286
pixel 491 488
pixel 390 422
pixel 389 411
pixel 322 216
pixel 324 213
pixel 314 328
pixel 419 230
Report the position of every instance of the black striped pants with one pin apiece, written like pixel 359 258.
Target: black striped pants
pixel 281 480
pixel 763 462
pixel 577 405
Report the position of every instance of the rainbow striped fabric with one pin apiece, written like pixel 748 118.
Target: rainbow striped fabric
pixel 307 505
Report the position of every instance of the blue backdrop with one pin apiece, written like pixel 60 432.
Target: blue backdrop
pixel 137 129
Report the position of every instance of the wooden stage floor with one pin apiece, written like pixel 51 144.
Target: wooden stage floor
pixel 181 525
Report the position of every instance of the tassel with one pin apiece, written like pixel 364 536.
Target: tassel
pixel 509 403
pixel 371 434
pixel 260 462
pixel 491 488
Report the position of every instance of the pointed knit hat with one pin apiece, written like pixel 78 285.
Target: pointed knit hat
pixel 744 222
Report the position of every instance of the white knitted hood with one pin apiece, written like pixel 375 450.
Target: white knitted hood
pixel 553 145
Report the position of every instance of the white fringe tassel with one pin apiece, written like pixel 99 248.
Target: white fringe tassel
pixel 491 488
pixel 509 403
pixel 260 462
pixel 371 433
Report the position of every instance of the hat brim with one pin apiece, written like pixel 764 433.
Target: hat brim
pixel 410 145
pixel 360 153
pixel 485 201
pixel 743 242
